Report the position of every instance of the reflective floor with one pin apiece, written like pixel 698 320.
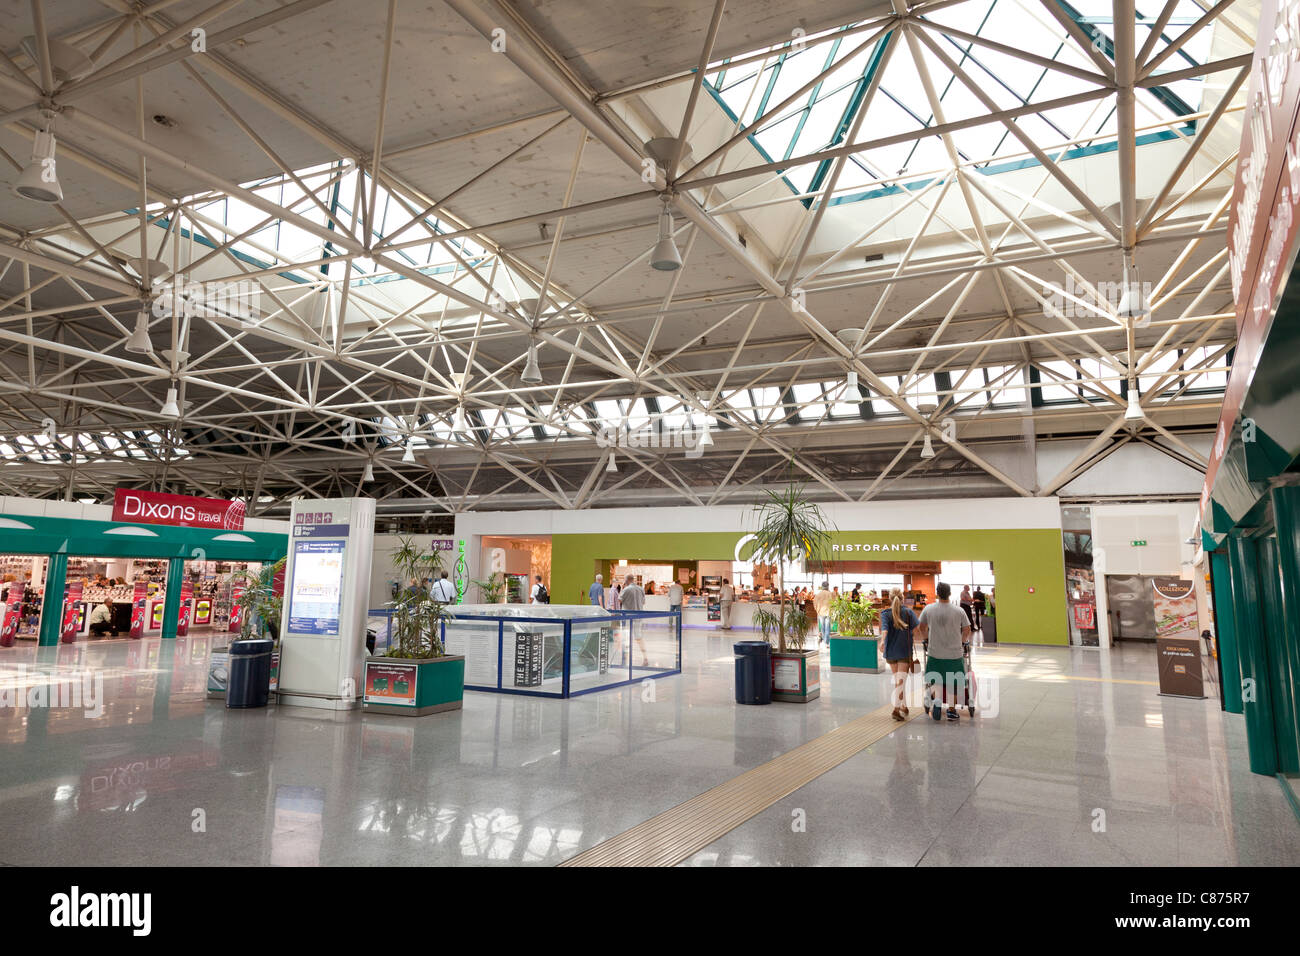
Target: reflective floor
pixel 1074 760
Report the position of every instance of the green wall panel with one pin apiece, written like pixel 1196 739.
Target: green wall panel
pixel 1022 559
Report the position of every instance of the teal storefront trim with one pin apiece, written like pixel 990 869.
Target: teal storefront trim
pixel 61 538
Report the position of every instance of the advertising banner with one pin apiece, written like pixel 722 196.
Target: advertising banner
pixel 138 610
pixel 1179 662
pixel 236 612
pixel 185 511
pixel 156 615
pixel 1175 608
pixel 13 614
pixel 203 611
pixel 317 594
pixel 392 684
pixel 528 659
pixel 183 612
pixel 72 611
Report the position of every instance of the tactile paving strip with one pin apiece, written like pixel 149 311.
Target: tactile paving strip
pixel 687 828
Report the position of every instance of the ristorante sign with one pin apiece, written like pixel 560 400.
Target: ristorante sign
pixel 874 548
pixel 151 507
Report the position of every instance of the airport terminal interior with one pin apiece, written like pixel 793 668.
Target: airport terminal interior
pixel 711 433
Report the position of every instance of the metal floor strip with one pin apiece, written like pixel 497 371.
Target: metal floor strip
pixel 677 834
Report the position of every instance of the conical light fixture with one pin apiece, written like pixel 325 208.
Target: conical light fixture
pixel 458 422
pixel 611 466
pixel 368 475
pixel 665 256
pixel 170 408
pixel 927 448
pixel 532 371
pixel 139 341
pixel 705 438
pixel 1134 412
pixel 39 181
pixel 851 380
pixel 408 457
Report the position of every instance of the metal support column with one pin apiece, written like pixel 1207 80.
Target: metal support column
pixel 1225 629
pixel 1247 607
pixel 172 599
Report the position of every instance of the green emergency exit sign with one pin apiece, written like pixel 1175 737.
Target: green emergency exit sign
pixel 1139 544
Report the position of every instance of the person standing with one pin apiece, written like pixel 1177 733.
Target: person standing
pixel 967 604
pixel 596 593
pixel 822 605
pixel 856 594
pixel 675 595
pixel 632 598
pixel 896 624
pixel 538 594
pixel 726 596
pixel 443 591
pixel 978 602
pixel 946 632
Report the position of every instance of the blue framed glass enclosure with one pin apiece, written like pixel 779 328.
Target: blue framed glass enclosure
pixel 546 650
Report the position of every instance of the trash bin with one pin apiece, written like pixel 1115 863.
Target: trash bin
pixel 753 672
pixel 989 628
pixel 250 673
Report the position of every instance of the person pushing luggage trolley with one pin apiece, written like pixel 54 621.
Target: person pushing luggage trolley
pixel 945 633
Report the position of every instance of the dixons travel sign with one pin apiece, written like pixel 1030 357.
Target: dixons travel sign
pixel 151 507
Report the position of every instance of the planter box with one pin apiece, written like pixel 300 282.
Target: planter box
pixel 413 688
pixel 796 676
pixel 857 655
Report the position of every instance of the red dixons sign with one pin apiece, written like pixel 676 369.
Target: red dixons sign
pixel 151 507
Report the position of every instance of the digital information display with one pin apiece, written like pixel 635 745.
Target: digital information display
pixel 317 593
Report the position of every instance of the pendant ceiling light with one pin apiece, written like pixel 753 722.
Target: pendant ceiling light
pixel 408 457
pixel 39 181
pixel 1133 302
pixel 706 439
pixel 458 423
pixel 170 408
pixel 927 449
pixel 611 466
pixel 368 475
pixel 532 371
pixel 851 380
pixel 665 256
pixel 1134 412
pixel 139 341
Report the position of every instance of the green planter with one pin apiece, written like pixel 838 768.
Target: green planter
pixel 857 655
pixel 796 676
pixel 413 688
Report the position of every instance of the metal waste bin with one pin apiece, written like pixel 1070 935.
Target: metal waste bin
pixel 250 673
pixel 989 628
pixel 753 672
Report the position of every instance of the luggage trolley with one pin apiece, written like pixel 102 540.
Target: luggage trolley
pixel 936 706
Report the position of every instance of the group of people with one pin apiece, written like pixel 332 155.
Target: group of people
pixel 945 631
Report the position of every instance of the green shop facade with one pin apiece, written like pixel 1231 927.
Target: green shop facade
pixel 63 531
pixel 1022 540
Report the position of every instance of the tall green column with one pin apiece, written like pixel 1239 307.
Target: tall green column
pixel 56 579
pixel 172 601
pixel 1225 629
pixel 1284 639
pixel 1275 611
pixel 1248 610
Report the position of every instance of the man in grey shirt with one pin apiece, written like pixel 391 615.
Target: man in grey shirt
pixel 633 599
pixel 946 630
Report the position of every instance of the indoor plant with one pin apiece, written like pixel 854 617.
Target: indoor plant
pixel 790 528
pixel 854 646
pixel 492 588
pixel 415 675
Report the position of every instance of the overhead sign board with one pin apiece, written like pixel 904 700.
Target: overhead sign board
pixel 131 506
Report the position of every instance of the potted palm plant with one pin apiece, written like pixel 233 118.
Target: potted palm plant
pixel 493 588
pixel 415 675
pixel 854 643
pixel 260 605
pixel 790 528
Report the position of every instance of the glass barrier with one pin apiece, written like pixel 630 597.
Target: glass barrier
pixel 568 650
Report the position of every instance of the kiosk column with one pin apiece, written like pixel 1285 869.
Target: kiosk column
pixel 172 599
pixel 326 590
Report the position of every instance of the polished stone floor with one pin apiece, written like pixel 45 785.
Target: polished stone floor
pixel 1074 760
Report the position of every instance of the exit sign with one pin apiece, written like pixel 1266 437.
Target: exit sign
pixel 1139 544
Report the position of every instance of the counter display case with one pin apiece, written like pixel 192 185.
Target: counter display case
pixel 556 650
